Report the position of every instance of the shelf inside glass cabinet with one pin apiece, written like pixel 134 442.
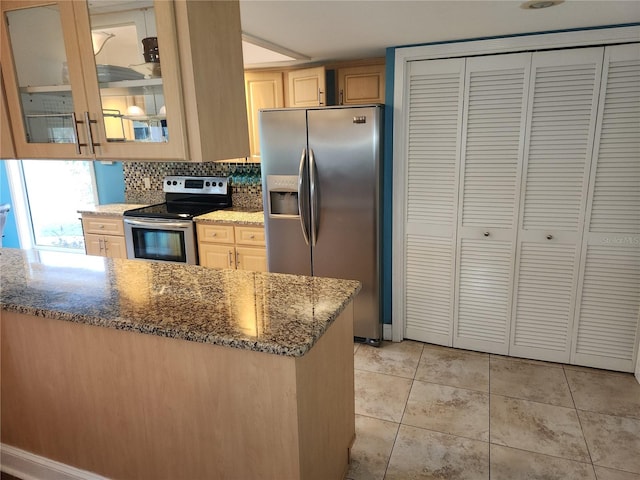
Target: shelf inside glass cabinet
pixel 132 87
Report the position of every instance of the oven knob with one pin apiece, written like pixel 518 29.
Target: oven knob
pixel 219 184
pixel 175 183
pixel 208 184
pixel 168 182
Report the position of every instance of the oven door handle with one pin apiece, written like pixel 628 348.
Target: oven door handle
pixel 159 223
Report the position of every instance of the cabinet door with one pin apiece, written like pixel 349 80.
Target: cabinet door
pixel 359 85
pixel 495 106
pixel 306 88
pixel 115 246
pixel 607 318
pixel 131 77
pixel 431 200
pixel 94 244
pixel 251 258
pixel 263 90
pixel 216 256
pixel 45 92
pixel 561 119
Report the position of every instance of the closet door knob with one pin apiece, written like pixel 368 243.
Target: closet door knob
pixel 549 237
pixel 486 234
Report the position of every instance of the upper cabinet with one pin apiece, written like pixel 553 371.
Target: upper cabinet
pixel 306 87
pixel 264 90
pixel 361 84
pixel 6 136
pixel 125 80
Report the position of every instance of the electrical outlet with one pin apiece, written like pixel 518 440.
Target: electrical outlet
pixel 147 183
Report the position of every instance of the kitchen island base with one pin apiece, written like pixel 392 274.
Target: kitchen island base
pixel 129 405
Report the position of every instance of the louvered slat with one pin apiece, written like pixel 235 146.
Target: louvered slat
pixel 432 148
pixel 608 322
pixel 484 290
pixel 616 192
pixel 429 288
pixel 560 134
pixel 544 295
pixel 492 146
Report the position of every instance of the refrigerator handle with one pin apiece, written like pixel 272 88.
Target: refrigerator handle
pixel 302 175
pixel 313 194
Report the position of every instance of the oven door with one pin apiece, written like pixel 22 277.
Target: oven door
pixel 160 239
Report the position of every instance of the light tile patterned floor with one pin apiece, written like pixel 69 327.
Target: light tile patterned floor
pixel 429 412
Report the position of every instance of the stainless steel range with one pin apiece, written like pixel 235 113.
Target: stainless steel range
pixel 166 231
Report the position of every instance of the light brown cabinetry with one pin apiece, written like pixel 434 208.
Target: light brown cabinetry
pixel 229 246
pixel 263 90
pixel 361 84
pixel 108 99
pixel 104 236
pixel 6 137
pixel 306 88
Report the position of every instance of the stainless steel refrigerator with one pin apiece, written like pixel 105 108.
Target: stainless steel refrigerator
pixel 321 191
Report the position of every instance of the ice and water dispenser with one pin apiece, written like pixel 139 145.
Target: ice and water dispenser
pixel 283 195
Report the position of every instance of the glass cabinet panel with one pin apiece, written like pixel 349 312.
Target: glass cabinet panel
pixel 40 60
pixel 128 69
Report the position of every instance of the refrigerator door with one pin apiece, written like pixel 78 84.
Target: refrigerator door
pixel 345 146
pixel 284 141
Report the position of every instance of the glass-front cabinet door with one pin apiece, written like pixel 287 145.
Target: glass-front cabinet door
pixel 91 79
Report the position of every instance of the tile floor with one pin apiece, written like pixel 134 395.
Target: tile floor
pixel 429 412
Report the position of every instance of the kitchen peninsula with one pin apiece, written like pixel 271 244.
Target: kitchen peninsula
pixel 133 369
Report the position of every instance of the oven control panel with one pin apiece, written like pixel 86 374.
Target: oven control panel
pixel 206 185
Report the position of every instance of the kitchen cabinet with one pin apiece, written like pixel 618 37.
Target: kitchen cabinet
pixel 104 236
pixel 361 84
pixel 229 246
pixel 263 90
pixel 306 87
pixel 99 89
pixel 7 149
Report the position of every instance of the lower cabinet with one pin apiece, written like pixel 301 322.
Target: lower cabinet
pixel 104 236
pixel 229 246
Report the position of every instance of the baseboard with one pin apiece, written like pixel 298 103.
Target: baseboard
pixel 387 333
pixel 28 466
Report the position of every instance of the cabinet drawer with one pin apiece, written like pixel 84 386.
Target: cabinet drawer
pixel 250 236
pixel 215 233
pixel 103 225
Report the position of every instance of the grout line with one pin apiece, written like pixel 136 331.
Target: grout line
pixel 584 437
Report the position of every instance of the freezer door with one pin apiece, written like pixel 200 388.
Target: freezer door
pixel 345 145
pixel 283 141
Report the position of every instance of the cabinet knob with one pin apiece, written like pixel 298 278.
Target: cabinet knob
pixel 549 237
pixel 486 234
pixel 100 226
pixel 214 234
pixel 252 237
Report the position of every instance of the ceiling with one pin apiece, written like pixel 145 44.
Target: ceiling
pixel 323 30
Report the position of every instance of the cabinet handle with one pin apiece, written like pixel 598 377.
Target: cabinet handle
pixel 87 123
pixel 486 234
pixel 341 101
pixel 320 93
pixel 237 260
pixel 549 237
pixel 101 244
pixel 75 121
pixel 230 259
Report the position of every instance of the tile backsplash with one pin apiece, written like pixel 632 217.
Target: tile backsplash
pixel 245 180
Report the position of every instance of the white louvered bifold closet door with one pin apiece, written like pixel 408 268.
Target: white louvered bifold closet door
pixel 606 332
pixel 561 114
pixel 433 143
pixel 495 104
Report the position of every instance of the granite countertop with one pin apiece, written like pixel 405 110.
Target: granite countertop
pixel 111 209
pixel 264 312
pixel 233 215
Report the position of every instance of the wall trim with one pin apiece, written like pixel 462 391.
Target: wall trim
pixel 462 48
pixel 29 466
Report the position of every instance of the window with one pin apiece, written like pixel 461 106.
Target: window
pixel 48 195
